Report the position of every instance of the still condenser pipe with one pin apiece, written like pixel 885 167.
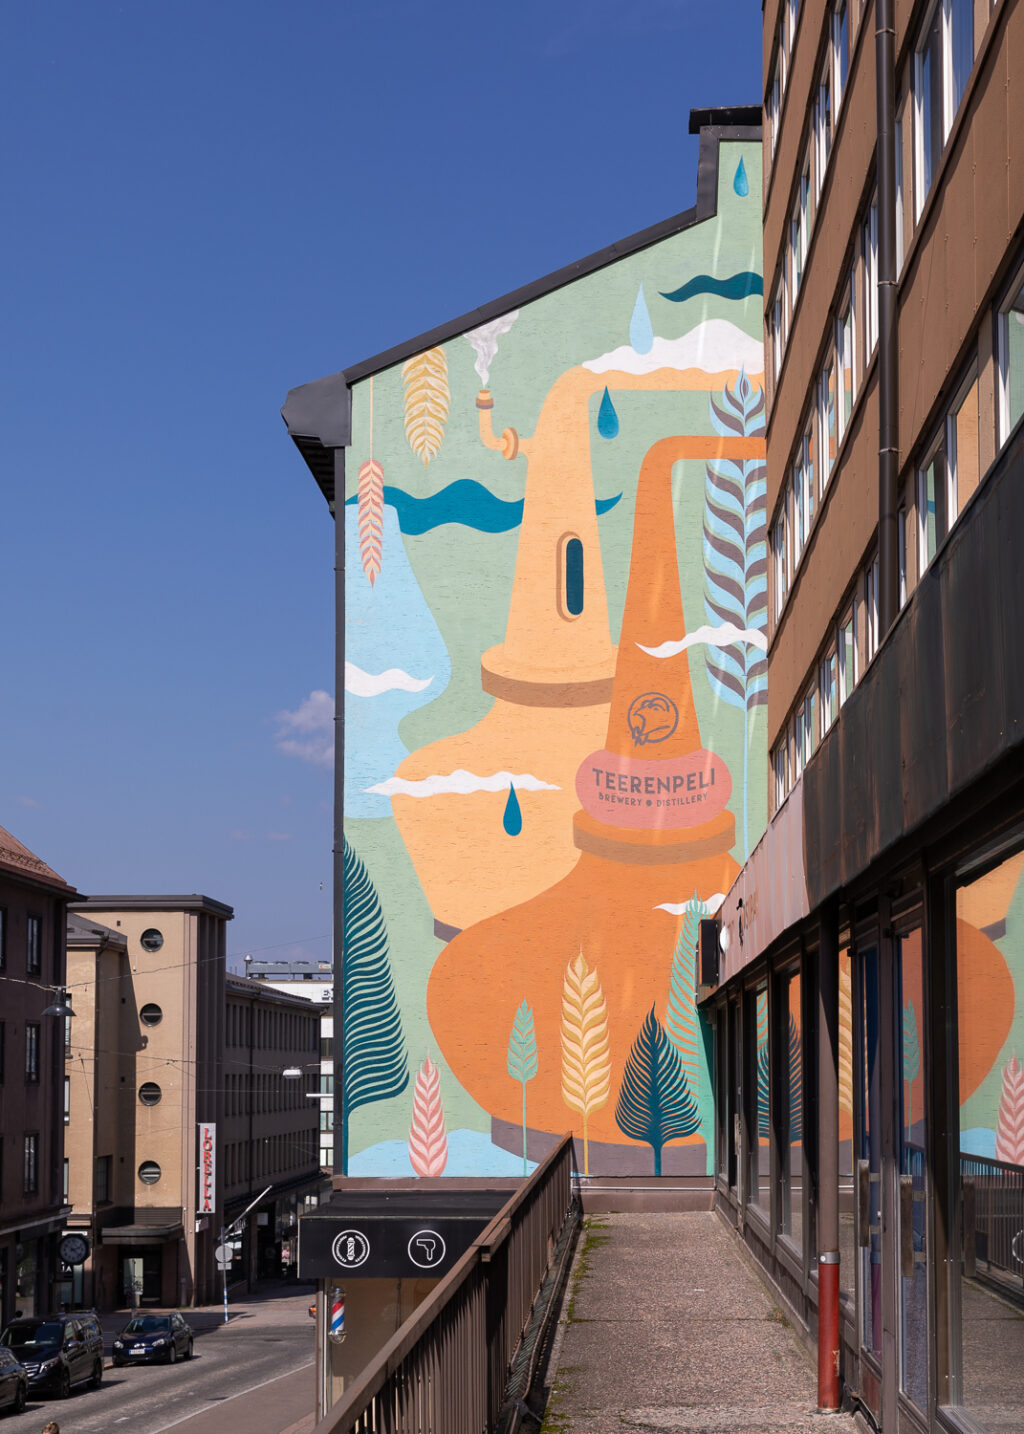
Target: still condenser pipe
pixel 888 330
pixel 828 1160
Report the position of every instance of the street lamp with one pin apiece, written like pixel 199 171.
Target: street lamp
pixel 61 1007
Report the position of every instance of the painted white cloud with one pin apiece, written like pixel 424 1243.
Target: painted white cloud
pixel 308 732
pixel 461 783
pixel 676 908
pixel 714 346
pixel 723 636
pixel 369 684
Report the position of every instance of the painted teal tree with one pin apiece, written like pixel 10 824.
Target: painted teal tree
pixel 736 566
pixel 374 1064
pixel 521 1060
pixel 796 1087
pixel 655 1104
pixel 686 1027
pixel 911 1060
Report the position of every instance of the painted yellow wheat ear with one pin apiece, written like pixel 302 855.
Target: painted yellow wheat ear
pixel 426 402
pixel 586 1062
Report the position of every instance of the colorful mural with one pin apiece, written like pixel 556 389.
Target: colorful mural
pixel 554 715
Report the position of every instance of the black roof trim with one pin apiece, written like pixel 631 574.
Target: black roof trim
pixel 194 902
pixel 318 415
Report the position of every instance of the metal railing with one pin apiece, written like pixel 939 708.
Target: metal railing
pixel 445 1370
pixel 992 1200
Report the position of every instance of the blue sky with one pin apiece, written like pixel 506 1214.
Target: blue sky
pixel 206 205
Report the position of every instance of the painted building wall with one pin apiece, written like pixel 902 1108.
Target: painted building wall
pixel 554 710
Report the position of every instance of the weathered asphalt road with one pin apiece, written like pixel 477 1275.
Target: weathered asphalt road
pixel 145 1399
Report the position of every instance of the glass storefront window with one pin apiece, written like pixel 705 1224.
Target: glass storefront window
pixel 987 1354
pixel 869 1153
pixel 791 1211
pixel 912 1175
pixel 847 1263
pixel 760 1174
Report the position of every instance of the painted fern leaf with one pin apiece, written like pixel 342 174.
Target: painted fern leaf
pixel 371 517
pixel 426 402
pixel 735 543
pixel 911 1045
pixel 654 1103
pixel 1010 1130
pixel 375 1066
pixel 795 1083
pixel 761 1017
pixel 586 1061
pixel 428 1143
pixel 684 1024
pixel 763 1085
pixel 846 1038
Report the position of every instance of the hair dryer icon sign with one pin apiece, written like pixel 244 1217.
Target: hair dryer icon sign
pixel 427 1249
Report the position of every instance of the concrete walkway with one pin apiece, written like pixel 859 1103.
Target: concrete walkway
pixel 665 1327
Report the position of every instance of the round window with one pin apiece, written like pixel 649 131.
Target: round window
pixel 151 1014
pixel 150 1093
pixel 151 939
pixel 149 1172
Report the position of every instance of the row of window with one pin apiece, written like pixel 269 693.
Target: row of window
pixel 273 1030
pixel 272 1156
pixel 258 1094
pixel 934 494
pixel 33 943
pixel 850 343
pixel 33 1050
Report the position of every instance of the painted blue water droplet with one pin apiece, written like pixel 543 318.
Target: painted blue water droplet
pixel 641 331
pixel 512 821
pixel 607 418
pixel 741 183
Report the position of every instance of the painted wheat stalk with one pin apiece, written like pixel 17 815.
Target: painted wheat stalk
pixel 371 509
pixel 586 1062
pixel 426 402
pixel 428 1143
pixel 1010 1130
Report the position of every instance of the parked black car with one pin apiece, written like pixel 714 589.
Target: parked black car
pixel 13 1382
pixel 58 1351
pixel 156 1337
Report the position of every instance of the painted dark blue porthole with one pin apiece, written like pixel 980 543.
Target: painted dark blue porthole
pixel 572 577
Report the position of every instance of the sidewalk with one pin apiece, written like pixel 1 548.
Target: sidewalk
pixel 666 1328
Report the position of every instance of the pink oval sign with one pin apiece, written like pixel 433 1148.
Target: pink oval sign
pixel 638 792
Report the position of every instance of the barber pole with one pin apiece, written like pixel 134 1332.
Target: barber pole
pixel 336 1331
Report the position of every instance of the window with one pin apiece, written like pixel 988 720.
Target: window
pixel 67 1100
pixel 780 764
pixel 810 723
pixel 149 1172
pixel 33 947
pixel 962 446
pixel 828 685
pixel 790 1120
pixel 775 102
pixel 827 419
pixel 3 937
pixel 781 565
pixel 66 1185
pixel 943 58
pixel 900 199
pixel 871 608
pixel 32 1052
pixel 823 125
pixel 67 1038
pixel 901 546
pixel 104 1164
pixel 151 1014
pixel 847 652
pixel 797 766
pixel 3 1043
pixel 778 336
pixel 931 502
pixel 869 250
pixel 150 1093
pixel 30 1167
pixel 151 939
pixel 845 380
pixel 1011 361
pixel 840 49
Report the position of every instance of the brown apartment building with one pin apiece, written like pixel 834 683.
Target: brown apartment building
pixel 33 899
pixel 869 1011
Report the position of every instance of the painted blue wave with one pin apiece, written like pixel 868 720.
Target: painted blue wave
pixel 737 286
pixel 466 502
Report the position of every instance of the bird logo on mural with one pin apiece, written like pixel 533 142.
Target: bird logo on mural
pixel 652 717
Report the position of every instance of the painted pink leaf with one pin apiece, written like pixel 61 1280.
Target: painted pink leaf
pixel 428 1144
pixel 371 517
pixel 1010 1131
